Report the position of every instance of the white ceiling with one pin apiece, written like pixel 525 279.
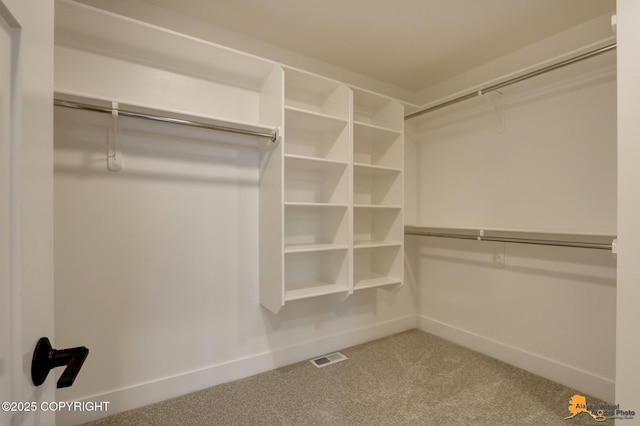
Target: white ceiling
pixel 411 44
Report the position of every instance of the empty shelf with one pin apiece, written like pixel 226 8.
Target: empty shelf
pixel 303 290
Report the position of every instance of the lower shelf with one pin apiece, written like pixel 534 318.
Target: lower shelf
pixel 306 289
pixel 371 244
pixel 374 280
pixel 377 266
pixel 301 248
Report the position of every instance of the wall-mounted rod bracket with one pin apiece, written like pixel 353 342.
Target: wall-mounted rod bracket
pixel 114 153
pixel 490 97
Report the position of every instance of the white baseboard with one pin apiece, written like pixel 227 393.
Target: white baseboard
pixel 169 387
pixel 584 381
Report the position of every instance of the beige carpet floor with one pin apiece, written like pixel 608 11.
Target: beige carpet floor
pixel 411 378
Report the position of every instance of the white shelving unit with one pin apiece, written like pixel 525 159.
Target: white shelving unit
pixel 342 193
pixel 316 192
pixel 378 159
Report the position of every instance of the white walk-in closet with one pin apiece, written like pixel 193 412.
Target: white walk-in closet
pixel 223 206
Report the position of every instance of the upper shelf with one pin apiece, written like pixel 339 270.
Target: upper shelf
pixel 102 55
pixel 377 111
pixel 317 94
pixel 85 27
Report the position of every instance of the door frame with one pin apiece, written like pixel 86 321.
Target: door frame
pixel 29 204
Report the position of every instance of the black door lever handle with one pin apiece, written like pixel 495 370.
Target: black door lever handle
pixel 45 358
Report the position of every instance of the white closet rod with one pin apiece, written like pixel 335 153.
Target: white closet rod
pixel 272 136
pixel 430 232
pixel 513 80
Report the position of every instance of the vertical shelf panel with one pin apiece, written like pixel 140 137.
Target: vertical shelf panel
pixel 378 191
pixel 271 195
pixel 316 187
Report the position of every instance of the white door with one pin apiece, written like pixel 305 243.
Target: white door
pixel 26 206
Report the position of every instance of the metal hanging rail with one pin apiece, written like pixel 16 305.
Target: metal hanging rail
pixel 513 80
pixel 273 135
pixel 430 232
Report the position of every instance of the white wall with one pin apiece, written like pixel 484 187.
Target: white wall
pixel 549 310
pixel 627 348
pixel 553 167
pixel 565 44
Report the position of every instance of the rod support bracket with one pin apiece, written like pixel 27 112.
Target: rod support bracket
pixel 277 135
pixel 114 153
pixel 497 111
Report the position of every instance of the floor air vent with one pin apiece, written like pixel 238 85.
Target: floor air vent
pixel 323 361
